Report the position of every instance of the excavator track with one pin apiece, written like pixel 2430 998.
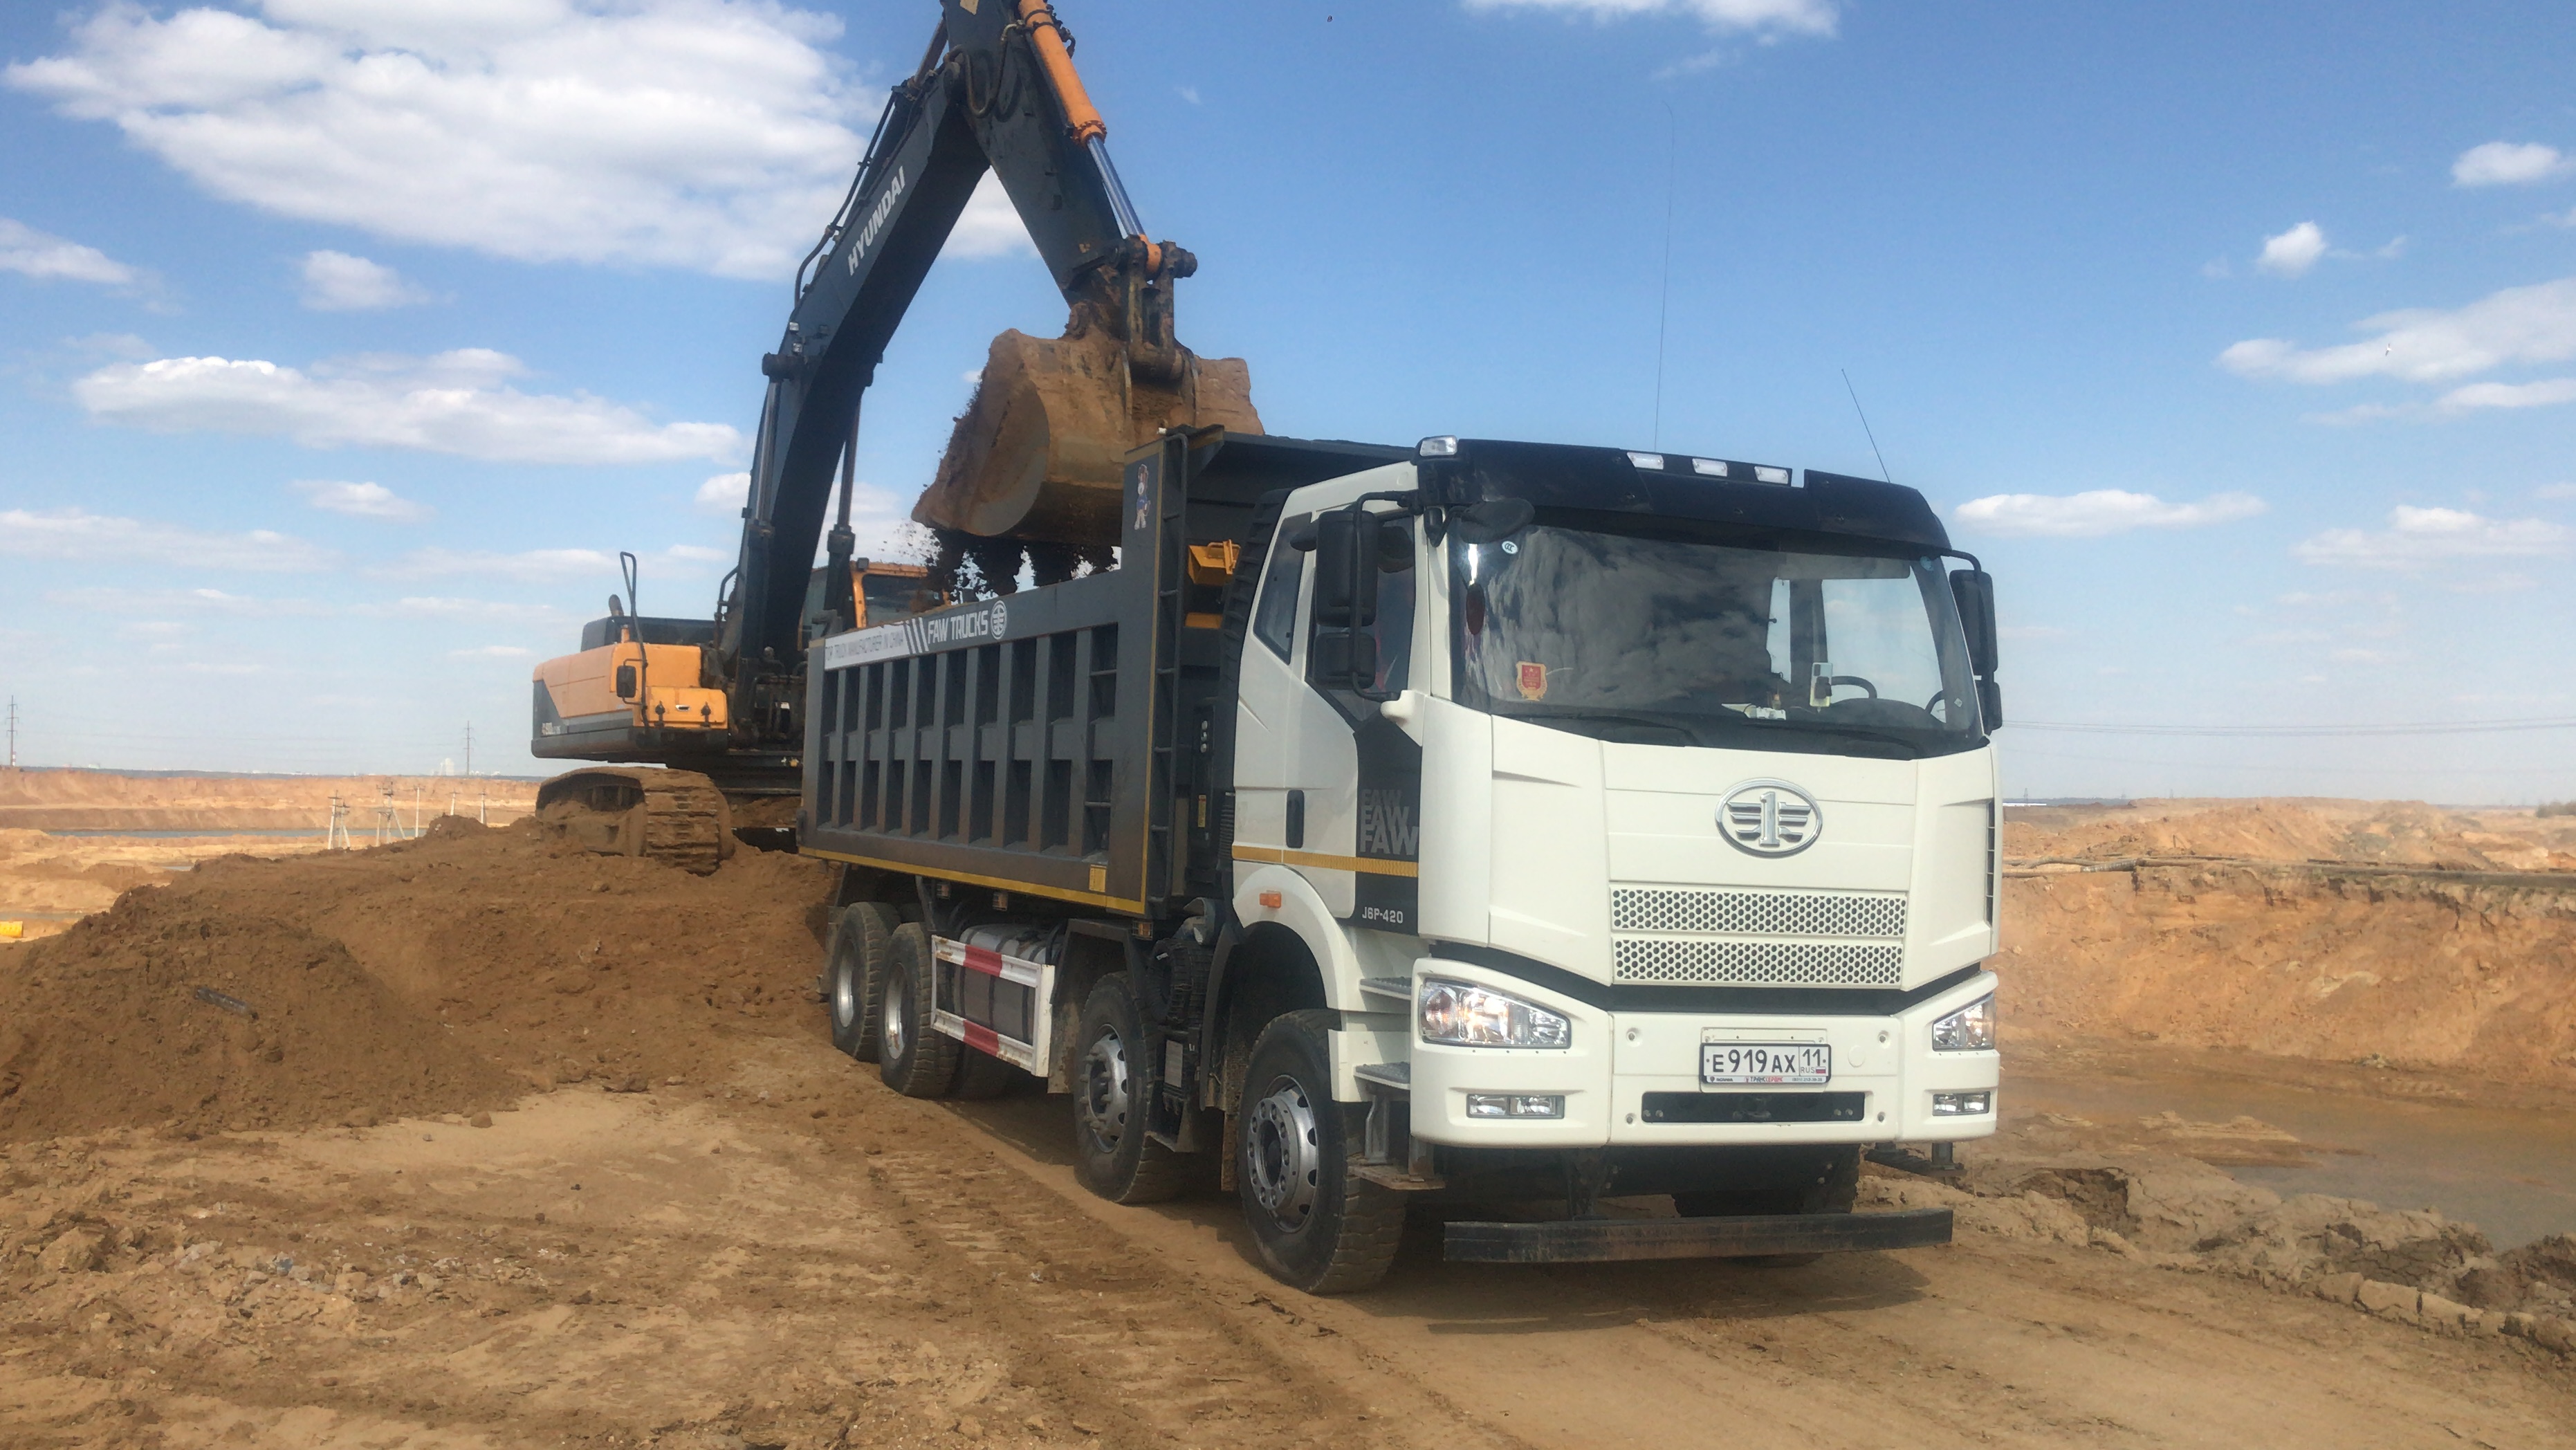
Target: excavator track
pixel 677 817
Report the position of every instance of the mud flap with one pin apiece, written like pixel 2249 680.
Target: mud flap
pixel 1598 1240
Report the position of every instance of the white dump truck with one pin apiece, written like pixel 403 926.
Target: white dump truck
pixel 1513 826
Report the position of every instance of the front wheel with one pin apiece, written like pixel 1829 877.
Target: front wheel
pixel 1319 1226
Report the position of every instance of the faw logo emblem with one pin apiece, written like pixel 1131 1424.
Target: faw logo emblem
pixel 1769 818
pixel 1387 827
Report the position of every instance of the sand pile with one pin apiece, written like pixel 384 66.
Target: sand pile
pixel 438 975
pixel 160 1012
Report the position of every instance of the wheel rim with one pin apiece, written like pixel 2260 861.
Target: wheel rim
pixel 898 1014
pixel 1282 1154
pixel 845 993
pixel 1103 1099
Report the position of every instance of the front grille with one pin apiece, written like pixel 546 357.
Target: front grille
pixel 1714 937
pixel 1757 913
pixel 1756 963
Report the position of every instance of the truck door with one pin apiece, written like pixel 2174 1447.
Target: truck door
pixel 1360 774
pixel 1269 703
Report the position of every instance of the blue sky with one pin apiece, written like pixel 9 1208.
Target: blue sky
pixel 342 348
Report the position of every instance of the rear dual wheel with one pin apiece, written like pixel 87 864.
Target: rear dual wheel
pixel 854 976
pixel 915 1059
pixel 1111 1153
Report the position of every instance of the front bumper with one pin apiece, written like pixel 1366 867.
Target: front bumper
pixel 1599 1240
pixel 1632 1078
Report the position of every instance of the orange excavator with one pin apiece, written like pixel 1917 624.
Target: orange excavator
pixel 698 721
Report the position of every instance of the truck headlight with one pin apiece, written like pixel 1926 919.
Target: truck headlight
pixel 1970 1029
pixel 1461 1015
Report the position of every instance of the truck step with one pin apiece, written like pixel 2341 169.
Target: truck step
pixel 1393 1175
pixel 1397 1075
pixel 1400 988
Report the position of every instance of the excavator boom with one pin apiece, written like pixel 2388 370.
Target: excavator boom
pixel 1034 461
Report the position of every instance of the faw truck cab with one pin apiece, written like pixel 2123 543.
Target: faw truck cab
pixel 1595 847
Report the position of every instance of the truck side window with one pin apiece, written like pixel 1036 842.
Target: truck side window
pixel 1274 617
pixel 1394 626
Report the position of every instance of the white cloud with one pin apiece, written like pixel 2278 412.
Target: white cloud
pixel 41 254
pixel 453 402
pixel 491 652
pixel 338 282
pixel 76 534
pixel 2555 490
pixel 686 133
pixel 990 226
pixel 529 565
pixel 724 494
pixel 1764 17
pixel 541 566
pixel 112 600
pixel 2416 537
pixel 2506 163
pixel 435 607
pixel 363 501
pixel 2292 252
pixel 1190 94
pixel 2519 324
pixel 2096 512
pixel 2548 392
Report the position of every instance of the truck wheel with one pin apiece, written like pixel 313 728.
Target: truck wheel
pixel 1111 1154
pixel 916 1060
pixel 854 976
pixel 1320 1227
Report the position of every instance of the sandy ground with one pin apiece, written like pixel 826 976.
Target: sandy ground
pixel 705 1266
pixel 474 1142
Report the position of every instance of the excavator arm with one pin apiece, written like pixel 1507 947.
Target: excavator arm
pixel 996 91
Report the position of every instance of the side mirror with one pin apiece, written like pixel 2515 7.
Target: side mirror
pixel 626 682
pixel 1345 659
pixel 1974 590
pixel 1990 702
pixel 1493 520
pixel 1346 558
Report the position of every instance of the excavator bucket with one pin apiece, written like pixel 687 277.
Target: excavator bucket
pixel 1036 454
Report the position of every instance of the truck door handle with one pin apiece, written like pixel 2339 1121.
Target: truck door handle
pixel 1296 820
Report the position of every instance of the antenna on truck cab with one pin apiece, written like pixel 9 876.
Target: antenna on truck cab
pixel 1864 425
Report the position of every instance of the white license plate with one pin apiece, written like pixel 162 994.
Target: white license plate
pixel 1766 1064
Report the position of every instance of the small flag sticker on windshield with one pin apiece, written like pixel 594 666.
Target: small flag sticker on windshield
pixel 1533 681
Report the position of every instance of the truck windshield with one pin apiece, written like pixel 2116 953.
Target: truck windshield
pixel 1672 641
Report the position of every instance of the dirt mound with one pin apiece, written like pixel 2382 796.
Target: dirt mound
pixel 161 1011
pixel 2406 833
pixel 2400 970
pixel 440 975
